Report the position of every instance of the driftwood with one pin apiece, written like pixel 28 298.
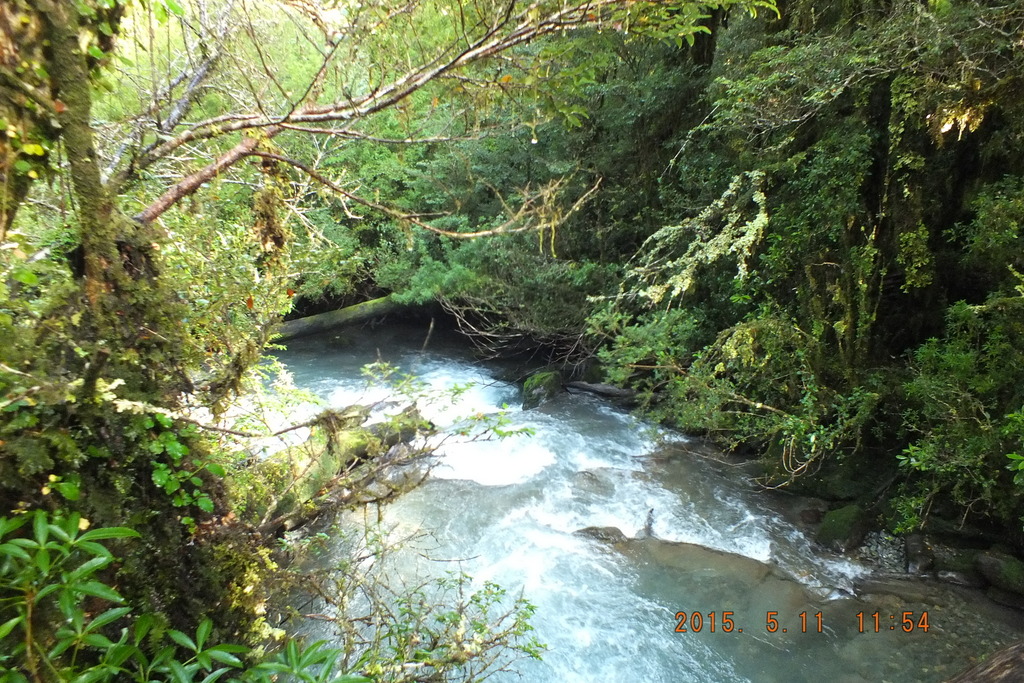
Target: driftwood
pixel 358 313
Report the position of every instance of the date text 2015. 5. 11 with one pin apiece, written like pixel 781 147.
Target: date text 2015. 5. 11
pixel 804 622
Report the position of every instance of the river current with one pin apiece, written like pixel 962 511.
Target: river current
pixel 702 538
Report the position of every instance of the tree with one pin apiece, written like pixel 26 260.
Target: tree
pixel 104 347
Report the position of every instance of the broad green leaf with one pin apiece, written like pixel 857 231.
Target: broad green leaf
pixel 93 674
pixel 143 625
pixel 94 548
pixel 40 528
pixel 203 632
pixel 110 532
pixel 215 675
pixel 178 672
pixel 99 590
pixel 224 657
pixel 111 615
pixel 182 639
pixel 43 560
pixel 13 550
pixel 88 568
pixel 9 625
pixel 98 640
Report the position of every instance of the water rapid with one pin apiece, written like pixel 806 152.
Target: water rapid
pixel 699 537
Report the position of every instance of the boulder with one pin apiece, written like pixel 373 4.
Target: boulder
pixel 605 390
pixel 541 387
pixel 842 529
pixel 920 557
pixel 1002 571
pixel 605 534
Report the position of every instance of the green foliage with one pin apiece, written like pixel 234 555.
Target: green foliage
pixel 964 410
pixel 49 567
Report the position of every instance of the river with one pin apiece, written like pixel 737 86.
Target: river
pixel 773 606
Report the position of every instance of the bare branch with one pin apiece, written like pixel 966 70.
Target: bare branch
pixel 508 30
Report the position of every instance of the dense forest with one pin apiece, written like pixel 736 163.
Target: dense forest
pixel 792 228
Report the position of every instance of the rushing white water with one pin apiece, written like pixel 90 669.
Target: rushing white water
pixel 506 511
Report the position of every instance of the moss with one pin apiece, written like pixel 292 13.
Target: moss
pixel 842 529
pixel 1002 571
pixel 540 387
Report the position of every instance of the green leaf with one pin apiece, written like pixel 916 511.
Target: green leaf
pixel 40 528
pixel 203 632
pixel 164 421
pixel 94 51
pixel 8 626
pixel 68 490
pixel 43 561
pixel 60 533
pixel 178 672
pixel 109 532
pixel 174 8
pixel 93 674
pixel 143 625
pixel 119 654
pixel 161 476
pixel 94 548
pixel 216 470
pixel 110 616
pixel 88 568
pixel 182 639
pixel 99 590
pixel 12 550
pixel 224 657
pixel 215 675
pixel 204 503
pixel 98 640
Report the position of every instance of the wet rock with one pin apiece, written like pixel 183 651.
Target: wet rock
pixel 960 560
pixel 1004 665
pixel 605 390
pixel 899 585
pixel 885 551
pixel 842 529
pixel 1002 571
pixel 920 557
pixel 1001 597
pixel 605 534
pixel 541 387
pixel 970 580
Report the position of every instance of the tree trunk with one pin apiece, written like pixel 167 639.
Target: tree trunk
pixel 359 313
